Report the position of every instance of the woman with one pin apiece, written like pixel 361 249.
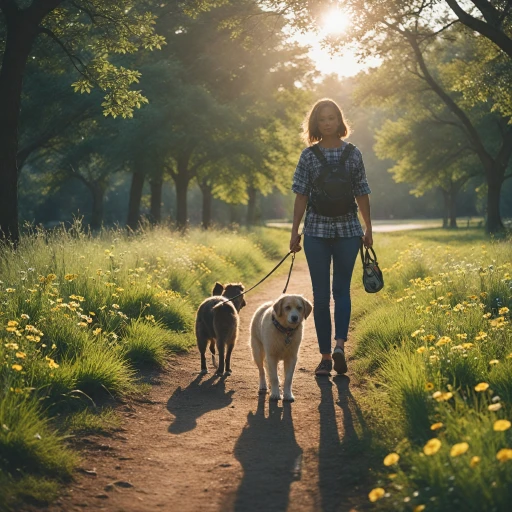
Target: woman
pixel 327 239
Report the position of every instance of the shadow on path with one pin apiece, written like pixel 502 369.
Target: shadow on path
pixel 198 398
pixel 270 457
pixel 340 469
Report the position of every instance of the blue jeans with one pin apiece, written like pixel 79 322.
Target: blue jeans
pixel 319 253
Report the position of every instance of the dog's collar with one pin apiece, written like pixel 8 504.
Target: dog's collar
pixel 285 330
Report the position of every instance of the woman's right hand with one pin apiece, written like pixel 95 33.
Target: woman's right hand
pixel 295 243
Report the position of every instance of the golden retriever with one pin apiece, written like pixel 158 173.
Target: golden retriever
pixel 276 334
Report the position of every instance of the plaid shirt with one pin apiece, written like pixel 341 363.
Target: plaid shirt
pixel 307 170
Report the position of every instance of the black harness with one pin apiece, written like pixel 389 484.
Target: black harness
pixel 285 330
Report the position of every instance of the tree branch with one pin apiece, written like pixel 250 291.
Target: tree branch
pixel 496 35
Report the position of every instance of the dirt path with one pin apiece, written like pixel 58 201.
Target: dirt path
pixel 209 444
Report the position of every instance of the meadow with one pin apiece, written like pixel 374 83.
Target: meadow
pixel 435 352
pixel 81 316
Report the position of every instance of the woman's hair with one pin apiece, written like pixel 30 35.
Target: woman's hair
pixel 310 131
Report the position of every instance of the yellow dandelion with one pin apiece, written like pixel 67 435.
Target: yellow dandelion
pixel 52 364
pixel 429 386
pixel 443 341
pixel 482 386
pixel 475 460
pixel 487 315
pixel 96 331
pixel 503 311
pixel 377 494
pixel 70 277
pixel 459 449
pixel 391 458
pixel 494 407
pixel 432 446
pixel 10 290
pixel 442 397
pixel 415 333
pixel 420 350
pixel 17 367
pixel 462 336
pixel 494 361
pixel 392 475
pixel 21 355
pixel 504 454
pixel 25 316
pixel 436 426
pixel 12 346
pixel 12 323
pixel 501 425
pixel 419 508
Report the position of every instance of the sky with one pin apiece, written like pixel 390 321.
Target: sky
pixel 343 63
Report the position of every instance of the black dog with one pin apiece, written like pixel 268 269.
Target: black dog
pixel 217 324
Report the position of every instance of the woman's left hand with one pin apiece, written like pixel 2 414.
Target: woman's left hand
pixel 368 238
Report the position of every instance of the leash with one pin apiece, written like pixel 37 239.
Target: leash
pixel 267 276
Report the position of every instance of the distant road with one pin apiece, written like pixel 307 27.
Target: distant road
pixel 381 226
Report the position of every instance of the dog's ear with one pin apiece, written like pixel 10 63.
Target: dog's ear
pixel 278 307
pixel 308 307
pixel 243 304
pixel 217 289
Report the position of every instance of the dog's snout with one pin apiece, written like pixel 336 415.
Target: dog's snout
pixel 294 318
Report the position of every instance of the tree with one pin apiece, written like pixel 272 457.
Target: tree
pixel 89 32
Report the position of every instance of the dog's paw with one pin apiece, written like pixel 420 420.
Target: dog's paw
pixel 219 373
pixel 204 371
pixel 228 372
pixel 288 397
pixel 262 391
pixel 274 396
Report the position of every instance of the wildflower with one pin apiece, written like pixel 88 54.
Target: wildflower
pixel 442 397
pixel 21 355
pixel 494 407
pixel 25 316
pixel 96 331
pixel 51 363
pixel 467 345
pixel 436 426
pixel 10 290
pixel 459 449
pixel 377 493
pixel 482 386
pixel 429 386
pixel 17 367
pixel 70 277
pixel 463 336
pixel 420 350
pixel 432 446
pixel 501 425
pixel 391 459
pixel 415 333
pixel 475 460
pixel 494 361
pixel 13 346
pixel 504 454
pixel 115 306
pixel 12 323
pixel 472 297
pixel 419 508
pixel 503 311
pixel 487 315
pixel 443 341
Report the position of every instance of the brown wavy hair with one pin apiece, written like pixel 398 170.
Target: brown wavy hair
pixel 310 131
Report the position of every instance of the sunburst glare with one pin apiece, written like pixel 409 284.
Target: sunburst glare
pixel 333 22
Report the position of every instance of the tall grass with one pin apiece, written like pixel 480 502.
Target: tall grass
pixel 80 314
pixel 437 346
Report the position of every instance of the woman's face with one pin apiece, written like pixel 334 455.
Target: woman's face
pixel 328 121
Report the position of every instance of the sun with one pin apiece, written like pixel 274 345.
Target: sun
pixel 333 22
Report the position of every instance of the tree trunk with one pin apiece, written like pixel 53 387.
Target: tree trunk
pixel 251 206
pixel 494 222
pixel 138 178
pixel 98 194
pixel 453 209
pixel 156 199
pixel 206 190
pixel 181 183
pixel 446 209
pixel 20 36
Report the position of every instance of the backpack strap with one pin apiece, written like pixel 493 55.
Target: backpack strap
pixel 344 157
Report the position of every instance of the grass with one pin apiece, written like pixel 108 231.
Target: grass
pixel 435 348
pixel 81 315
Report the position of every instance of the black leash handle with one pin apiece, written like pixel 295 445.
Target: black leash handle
pixel 261 281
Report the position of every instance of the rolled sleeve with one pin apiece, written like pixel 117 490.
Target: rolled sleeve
pixel 360 185
pixel 302 177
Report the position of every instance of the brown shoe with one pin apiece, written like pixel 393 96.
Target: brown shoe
pixel 324 368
